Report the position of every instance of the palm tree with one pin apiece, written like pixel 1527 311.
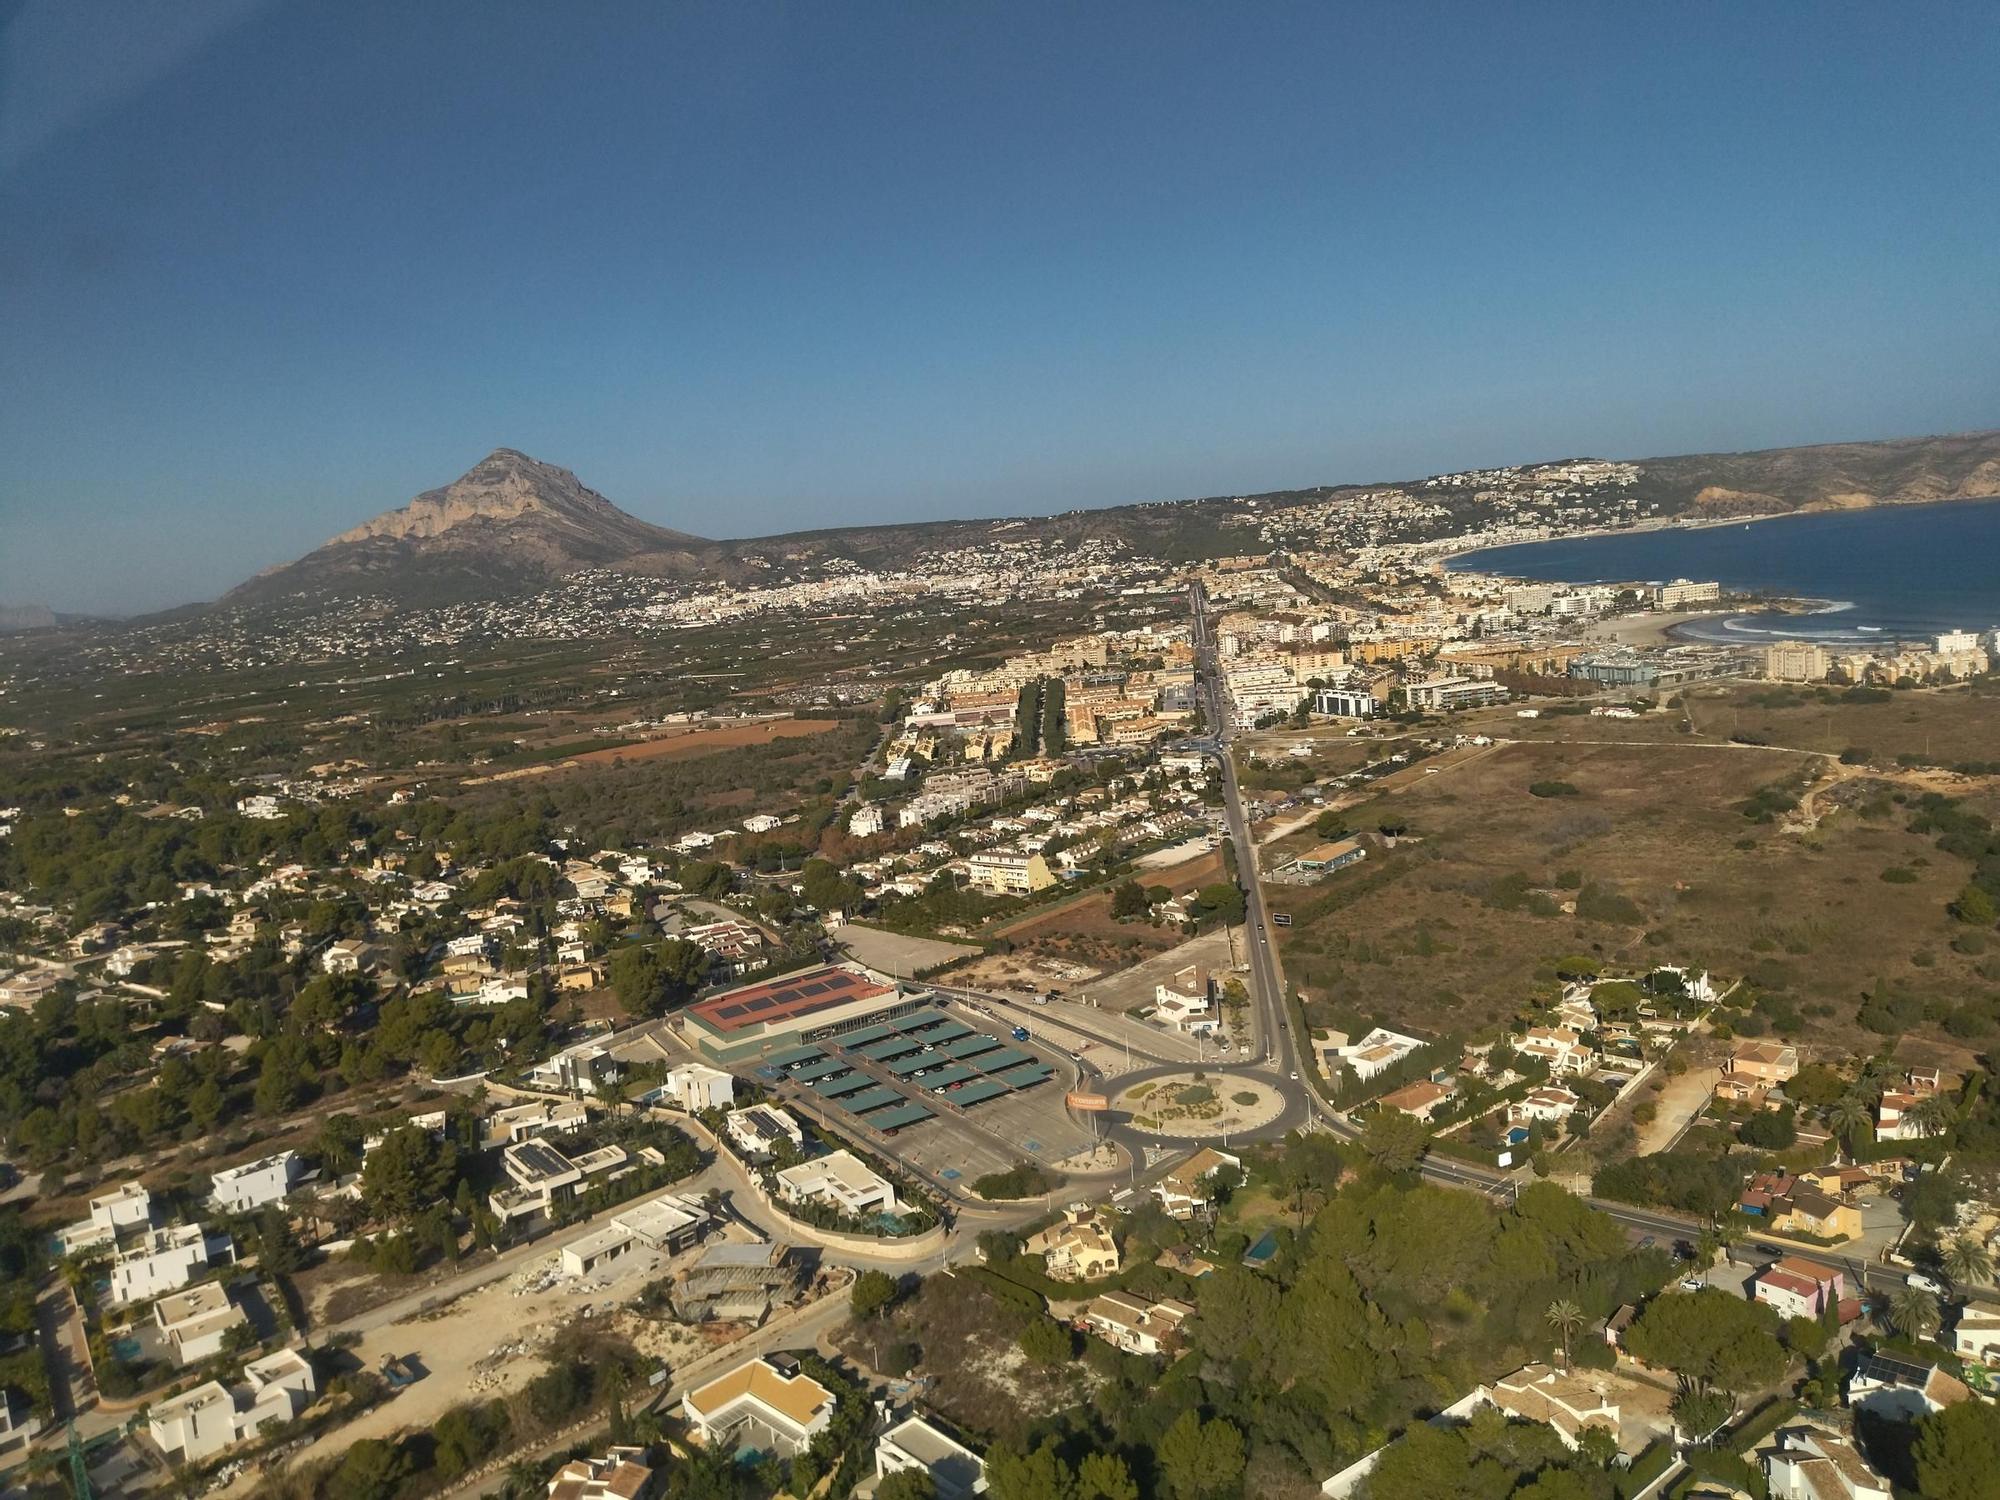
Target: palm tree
pixel 1846 1117
pixel 1565 1317
pixel 1914 1312
pixel 1966 1261
pixel 1933 1114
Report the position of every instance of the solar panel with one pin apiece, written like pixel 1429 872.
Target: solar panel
pixel 944 1078
pixel 970 1046
pixel 1006 1057
pixel 833 1088
pixel 903 1067
pixel 1026 1077
pixel 791 1057
pixel 978 1093
pixel 897 1119
pixel 823 1069
pixel 853 1039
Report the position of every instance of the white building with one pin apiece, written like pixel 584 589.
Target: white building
pixel 758 1406
pixel 165 1260
pixel 1975 1335
pixel 200 1424
pixel 195 1322
pixel 840 1179
pixel 756 1130
pixel 866 822
pixel 696 1087
pixel 664 1225
pixel 244 1189
pixel 913 1444
pixel 1813 1463
pixel 126 1207
pixel 761 823
pixel 1375 1052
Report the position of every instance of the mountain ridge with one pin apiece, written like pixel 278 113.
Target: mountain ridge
pixel 513 521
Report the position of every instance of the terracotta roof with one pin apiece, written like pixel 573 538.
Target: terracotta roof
pixel 797 1398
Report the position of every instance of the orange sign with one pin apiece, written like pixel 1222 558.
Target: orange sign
pixel 1087 1104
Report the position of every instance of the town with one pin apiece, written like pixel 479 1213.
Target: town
pixel 965 1032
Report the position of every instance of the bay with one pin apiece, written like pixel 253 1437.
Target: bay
pixel 1890 571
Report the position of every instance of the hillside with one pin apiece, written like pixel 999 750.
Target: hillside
pixel 507 523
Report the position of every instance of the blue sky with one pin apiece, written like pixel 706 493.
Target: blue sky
pixel 267 269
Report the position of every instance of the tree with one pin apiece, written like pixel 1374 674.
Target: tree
pixel 1967 1261
pixel 1710 1340
pixel 1103 1476
pixel 1047 1342
pixel 1699 1413
pixel 1847 1117
pixel 1040 1475
pixel 339 1144
pixel 1914 1312
pixel 1199 1459
pixel 1565 1317
pixel 1974 907
pixel 1957 1452
pixel 1129 900
pixel 908 1484
pixel 408 1172
pixel 1222 899
pixel 1933 1114
pixel 873 1292
pixel 371 1469
pixel 1395 1142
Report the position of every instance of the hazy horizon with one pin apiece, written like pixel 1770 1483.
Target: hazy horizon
pixel 270 269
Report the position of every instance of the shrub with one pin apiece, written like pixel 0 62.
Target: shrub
pixel 1552 789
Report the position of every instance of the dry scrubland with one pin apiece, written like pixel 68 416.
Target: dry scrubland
pixel 1455 929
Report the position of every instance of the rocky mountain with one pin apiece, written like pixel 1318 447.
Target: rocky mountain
pixel 509 522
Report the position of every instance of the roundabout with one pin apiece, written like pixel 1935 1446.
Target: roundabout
pixel 1197 1104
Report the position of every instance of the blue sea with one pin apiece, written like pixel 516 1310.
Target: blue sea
pixel 1886 572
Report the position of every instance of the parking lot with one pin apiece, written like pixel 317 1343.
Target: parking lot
pixel 951 1099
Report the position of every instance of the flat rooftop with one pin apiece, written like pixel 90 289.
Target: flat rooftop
pixel 788 999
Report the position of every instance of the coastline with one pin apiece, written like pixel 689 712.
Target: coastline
pixel 1681 523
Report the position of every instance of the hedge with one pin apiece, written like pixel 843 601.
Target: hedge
pixel 1657 1458
pixel 1765 1421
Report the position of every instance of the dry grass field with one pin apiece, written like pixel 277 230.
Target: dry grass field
pixel 705 741
pixel 1454 928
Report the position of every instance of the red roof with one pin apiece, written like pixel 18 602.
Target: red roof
pixel 786 999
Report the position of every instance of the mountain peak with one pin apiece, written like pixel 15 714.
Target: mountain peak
pixel 509 520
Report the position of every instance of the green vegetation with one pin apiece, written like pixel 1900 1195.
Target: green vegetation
pixel 1026 1180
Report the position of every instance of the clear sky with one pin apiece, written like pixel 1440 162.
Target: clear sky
pixel 269 268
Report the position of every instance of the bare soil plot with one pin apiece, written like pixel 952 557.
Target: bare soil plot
pixel 695 742
pixel 977 1377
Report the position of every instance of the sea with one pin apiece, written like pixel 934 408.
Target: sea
pixel 1885 573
